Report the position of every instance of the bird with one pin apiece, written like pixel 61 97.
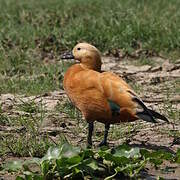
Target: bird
pixel 102 96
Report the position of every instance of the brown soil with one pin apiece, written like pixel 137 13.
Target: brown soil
pixel 157 85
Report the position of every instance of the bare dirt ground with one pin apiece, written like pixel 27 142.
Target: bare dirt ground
pixel 158 85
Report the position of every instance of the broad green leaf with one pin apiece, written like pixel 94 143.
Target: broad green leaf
pixel 108 156
pixel 87 153
pixel 52 153
pixel 121 161
pixel 29 162
pixel 89 166
pixel 117 158
pixel 68 151
pixel 62 166
pixel 102 153
pixel 93 165
pixel 13 166
pixel 61 162
pixel 132 153
pixel 123 146
pixel 74 160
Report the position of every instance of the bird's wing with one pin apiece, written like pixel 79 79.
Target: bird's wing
pixel 119 94
pixel 117 90
pixel 106 91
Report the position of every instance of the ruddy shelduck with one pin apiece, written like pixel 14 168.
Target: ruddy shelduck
pixel 102 96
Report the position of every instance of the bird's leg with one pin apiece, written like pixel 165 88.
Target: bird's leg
pixel 90 131
pixel 104 141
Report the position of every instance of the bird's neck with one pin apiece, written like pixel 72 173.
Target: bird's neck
pixel 90 67
pixel 91 63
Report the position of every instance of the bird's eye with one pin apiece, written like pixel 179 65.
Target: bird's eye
pixel 78 49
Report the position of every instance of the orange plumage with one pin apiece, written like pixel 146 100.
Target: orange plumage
pixel 101 96
pixel 90 91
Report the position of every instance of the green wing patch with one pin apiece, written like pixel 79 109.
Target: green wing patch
pixel 115 108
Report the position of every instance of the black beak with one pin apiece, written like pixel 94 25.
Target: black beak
pixel 67 55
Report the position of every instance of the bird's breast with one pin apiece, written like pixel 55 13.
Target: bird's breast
pixel 90 91
pixel 85 94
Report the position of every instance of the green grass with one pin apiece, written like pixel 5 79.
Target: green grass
pixel 25 122
pixel 25 138
pixel 56 25
pixel 32 31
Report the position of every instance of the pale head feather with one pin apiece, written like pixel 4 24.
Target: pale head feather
pixel 88 55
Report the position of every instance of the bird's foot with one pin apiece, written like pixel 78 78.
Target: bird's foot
pixel 89 145
pixel 103 143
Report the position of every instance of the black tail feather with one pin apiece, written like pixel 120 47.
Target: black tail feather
pixel 148 114
pixel 145 115
pixel 158 116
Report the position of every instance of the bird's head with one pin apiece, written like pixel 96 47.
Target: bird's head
pixel 88 56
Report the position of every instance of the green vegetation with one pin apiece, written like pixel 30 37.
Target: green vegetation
pixel 32 32
pixel 108 24
pixel 24 137
pixel 67 162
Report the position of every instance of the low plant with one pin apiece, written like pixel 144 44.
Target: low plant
pixel 68 162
